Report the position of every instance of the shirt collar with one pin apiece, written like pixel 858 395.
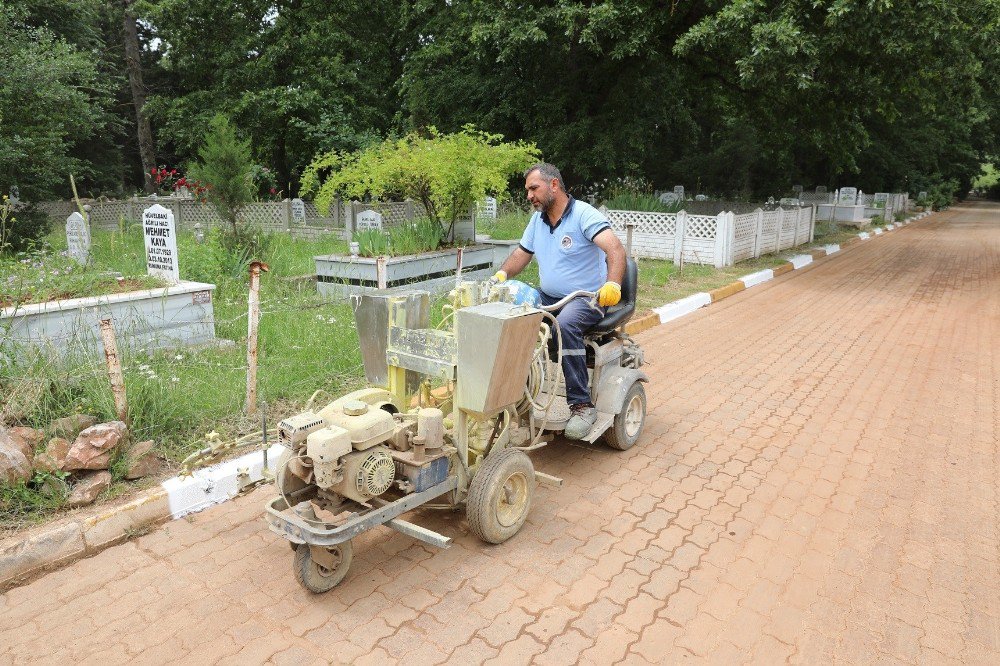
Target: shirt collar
pixel 569 209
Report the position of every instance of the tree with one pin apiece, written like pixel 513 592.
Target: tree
pixel 226 167
pixel 447 173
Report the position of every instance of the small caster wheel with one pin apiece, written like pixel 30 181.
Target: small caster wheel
pixel 319 569
pixel 500 495
pixel 625 431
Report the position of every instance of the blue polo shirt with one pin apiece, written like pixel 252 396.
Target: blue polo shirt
pixel 568 259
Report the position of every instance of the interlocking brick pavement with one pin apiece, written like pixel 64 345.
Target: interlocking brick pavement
pixel 818 481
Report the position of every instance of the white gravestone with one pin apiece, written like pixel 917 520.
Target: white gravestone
pixel 848 196
pixel 922 195
pixel 369 219
pixel 821 189
pixel 797 189
pixel 161 242
pixel 78 238
pixel 880 198
pixel 669 198
pixel 299 210
pixel 700 197
pixel 679 191
pixel 788 201
pixel 488 208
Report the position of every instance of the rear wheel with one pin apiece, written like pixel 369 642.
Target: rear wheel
pixel 319 569
pixel 627 428
pixel 500 495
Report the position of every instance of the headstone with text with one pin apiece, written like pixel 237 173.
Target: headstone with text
pixel 821 189
pixel 789 201
pixel 369 220
pixel 160 237
pixel 488 208
pixel 848 196
pixel 298 210
pixel 78 238
pixel 679 191
pixel 669 198
pixel 880 199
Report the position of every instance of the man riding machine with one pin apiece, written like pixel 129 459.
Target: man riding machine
pixel 463 403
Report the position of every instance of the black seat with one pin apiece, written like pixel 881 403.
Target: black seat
pixel 617 315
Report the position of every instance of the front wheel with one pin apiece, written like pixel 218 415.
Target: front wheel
pixel 629 422
pixel 319 569
pixel 500 495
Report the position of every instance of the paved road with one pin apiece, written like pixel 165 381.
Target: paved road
pixel 819 480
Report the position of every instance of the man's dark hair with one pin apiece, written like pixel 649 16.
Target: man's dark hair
pixel 548 172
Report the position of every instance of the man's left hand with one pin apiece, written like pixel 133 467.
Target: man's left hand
pixel 609 294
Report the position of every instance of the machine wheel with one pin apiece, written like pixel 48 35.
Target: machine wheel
pixel 316 577
pixel 500 495
pixel 625 431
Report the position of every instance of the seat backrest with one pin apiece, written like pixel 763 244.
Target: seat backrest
pixel 618 315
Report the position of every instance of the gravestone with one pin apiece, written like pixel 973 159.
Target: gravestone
pixel 848 196
pixel 369 219
pixel 488 208
pixel 880 199
pixel 15 194
pixel 298 210
pixel 669 198
pixel 160 236
pixel 821 189
pixel 78 238
pixel 922 195
pixel 789 201
pixel 700 197
pixel 797 189
pixel 679 191
pixel 770 201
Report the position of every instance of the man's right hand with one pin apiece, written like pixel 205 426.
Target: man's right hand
pixel 499 276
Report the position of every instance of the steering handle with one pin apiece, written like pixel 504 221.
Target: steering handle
pixel 566 299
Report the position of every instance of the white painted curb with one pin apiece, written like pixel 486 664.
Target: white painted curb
pixel 800 260
pixel 216 484
pixel 681 307
pixel 833 248
pixel 759 277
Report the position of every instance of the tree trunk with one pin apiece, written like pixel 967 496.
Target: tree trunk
pixel 134 66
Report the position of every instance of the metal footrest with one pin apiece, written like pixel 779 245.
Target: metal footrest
pixel 558 413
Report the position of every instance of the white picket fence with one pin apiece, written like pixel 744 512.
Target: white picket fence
pixel 718 240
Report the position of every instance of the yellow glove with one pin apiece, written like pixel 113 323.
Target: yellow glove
pixel 609 294
pixel 500 276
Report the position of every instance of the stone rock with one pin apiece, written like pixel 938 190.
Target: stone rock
pixel 142 461
pixel 14 466
pixel 28 439
pixel 71 426
pixel 86 490
pixel 54 457
pixel 94 447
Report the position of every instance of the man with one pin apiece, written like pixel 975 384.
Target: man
pixel 575 249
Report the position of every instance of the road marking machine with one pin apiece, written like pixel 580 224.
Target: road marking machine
pixel 454 413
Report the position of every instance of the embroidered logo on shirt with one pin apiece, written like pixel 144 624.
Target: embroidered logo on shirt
pixel 566 242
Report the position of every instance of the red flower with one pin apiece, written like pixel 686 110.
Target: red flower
pixel 181 182
pixel 274 191
pixel 173 172
pixel 152 171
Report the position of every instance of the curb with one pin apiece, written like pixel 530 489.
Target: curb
pixel 679 308
pixel 25 558
pixel 51 547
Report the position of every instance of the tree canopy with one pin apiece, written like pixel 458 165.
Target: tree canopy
pixel 726 97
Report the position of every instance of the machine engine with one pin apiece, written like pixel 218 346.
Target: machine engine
pixel 358 450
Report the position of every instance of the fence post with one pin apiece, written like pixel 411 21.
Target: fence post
pixel 812 223
pixel 286 212
pixel 114 369
pixel 780 214
pixel 629 229
pixel 176 206
pixel 679 231
pixel 409 210
pixel 798 221
pixel 758 231
pixel 253 319
pixel 721 232
pixel 380 276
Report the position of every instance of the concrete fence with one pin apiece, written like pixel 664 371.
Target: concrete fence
pixel 718 240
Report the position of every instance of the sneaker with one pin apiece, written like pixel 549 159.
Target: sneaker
pixel 581 421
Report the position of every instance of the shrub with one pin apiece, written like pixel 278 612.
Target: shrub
pixel 448 173
pixel 225 164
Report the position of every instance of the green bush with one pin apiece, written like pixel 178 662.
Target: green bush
pixel 372 242
pixel 21 226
